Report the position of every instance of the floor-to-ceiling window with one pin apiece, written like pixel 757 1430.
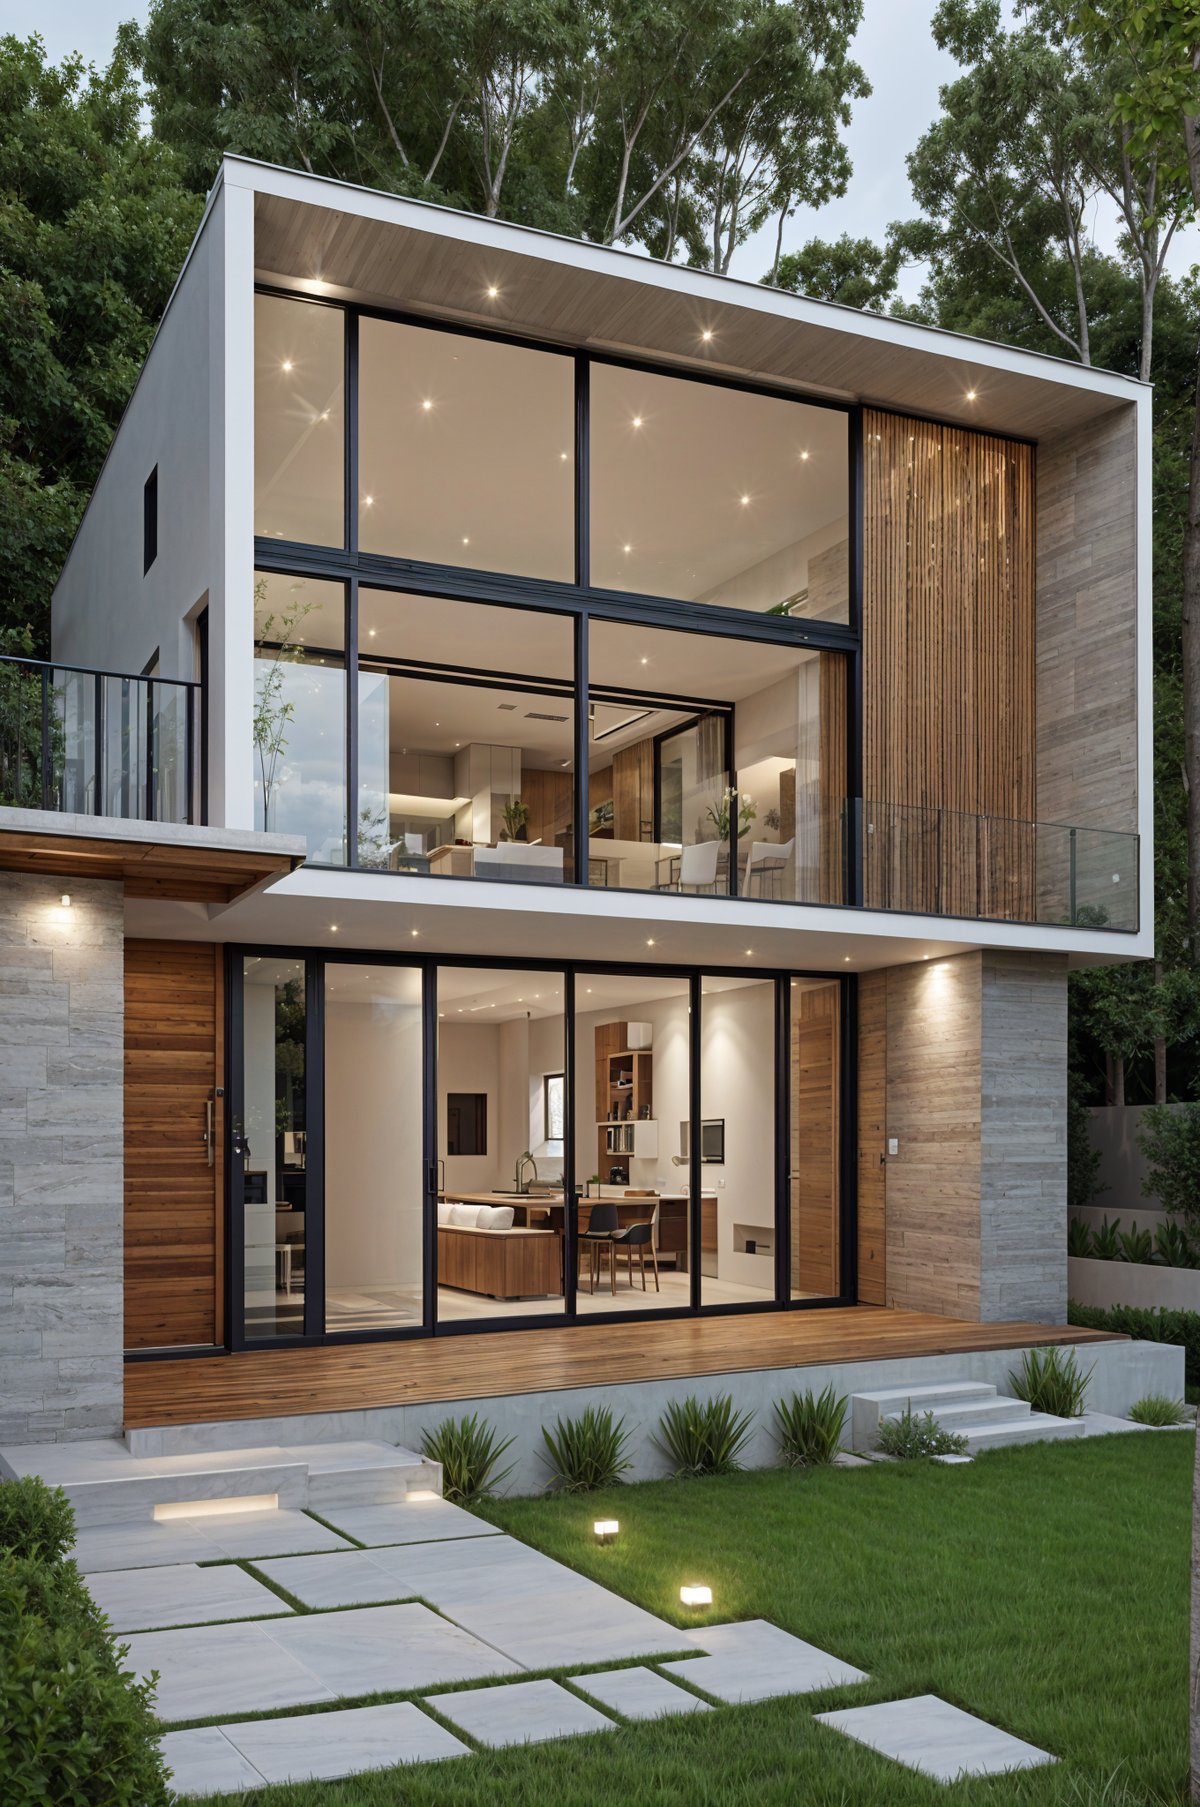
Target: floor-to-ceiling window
pixel 575 1142
pixel 509 505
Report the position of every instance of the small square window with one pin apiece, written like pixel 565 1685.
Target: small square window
pixel 150 521
pixel 555 1096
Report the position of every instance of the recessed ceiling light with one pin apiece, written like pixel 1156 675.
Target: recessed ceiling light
pixel 637 419
pixel 645 661
pixel 626 548
pixel 749 951
pixel 368 501
pixel 426 405
pixel 804 457
pixel 370 633
pixel 493 291
pixel 466 539
pixel 745 501
pixel 650 943
pixel 970 395
pixel 333 928
pixel 564 456
pixel 847 959
pixel 706 335
pixel 287 364
pixel 414 931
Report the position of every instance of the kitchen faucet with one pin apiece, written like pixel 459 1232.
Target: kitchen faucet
pixel 521 1160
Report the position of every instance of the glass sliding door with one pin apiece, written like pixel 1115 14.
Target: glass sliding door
pixel 270 1145
pixel 632 1137
pixel 299 735
pixel 738 1230
pixel 814 1106
pixel 693 802
pixel 501 1204
pixel 374 1156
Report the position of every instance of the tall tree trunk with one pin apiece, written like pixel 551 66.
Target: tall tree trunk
pixel 1191 686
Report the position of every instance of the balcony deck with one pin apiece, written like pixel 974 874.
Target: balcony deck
pixel 354 1377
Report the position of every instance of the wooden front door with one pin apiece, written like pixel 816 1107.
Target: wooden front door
pixel 174 1060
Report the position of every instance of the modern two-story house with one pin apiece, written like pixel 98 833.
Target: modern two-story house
pixel 550 848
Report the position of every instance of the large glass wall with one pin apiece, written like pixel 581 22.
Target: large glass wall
pixel 466 451
pixel 270 1145
pixel 633 1040
pixel 299 420
pixel 738 1232
pixel 501 1203
pixel 718 495
pixel 374 1158
pixel 466 769
pixel 299 729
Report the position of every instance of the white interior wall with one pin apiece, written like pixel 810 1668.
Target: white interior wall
pixel 782 574
pixel 469 1061
pixel 737 1072
pixel 373 1156
pixel 258 1019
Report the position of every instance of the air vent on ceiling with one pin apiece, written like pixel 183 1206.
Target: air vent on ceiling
pixel 533 715
pixel 504 706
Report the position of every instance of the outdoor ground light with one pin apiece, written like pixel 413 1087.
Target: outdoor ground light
pixel 692 1594
pixel 606 1529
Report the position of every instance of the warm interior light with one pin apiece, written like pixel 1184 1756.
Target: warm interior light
pixel 493 291
pixel 333 928
pixel 427 405
pixel 749 951
pixel 405 803
pixel 368 501
pixel 970 395
pixel 637 420
pixel 564 456
pixel 65 900
pixel 745 501
pixel 706 335
pixel 650 943
pixel 414 931
pixel 605 1528
pixel 287 364
pixel 804 457
pixel 626 548
pixel 248 1502
pixel 693 1594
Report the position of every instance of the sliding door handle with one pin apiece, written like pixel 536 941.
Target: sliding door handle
pixel 208 1130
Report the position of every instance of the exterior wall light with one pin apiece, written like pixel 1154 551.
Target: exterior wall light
pixel 65 900
pixel 692 1594
pixel 606 1529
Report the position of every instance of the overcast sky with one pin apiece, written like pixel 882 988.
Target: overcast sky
pixel 894 46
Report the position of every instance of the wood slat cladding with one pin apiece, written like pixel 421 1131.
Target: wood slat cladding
pixel 949 731
pixel 353 1377
pixel 816 1140
pixel 173 1058
pixel 872 1138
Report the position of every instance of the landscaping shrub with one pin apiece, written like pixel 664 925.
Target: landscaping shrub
pixel 468 1451
pixel 704 1437
pixel 586 1452
pixel 1106 1241
pixel 809 1427
pixel 1136 1245
pixel 1169 1138
pixel 1149 1324
pixel 1079 1237
pixel 1052 1381
pixel 1158 1408
pixel 909 1437
pixel 1173 1246
pixel 75 1730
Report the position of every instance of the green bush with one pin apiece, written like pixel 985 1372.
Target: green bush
pixel 1136 1245
pixel 1106 1241
pixel 75 1729
pixel 586 1452
pixel 809 1427
pixel 1169 1138
pixel 468 1451
pixel 1083 1161
pixel 1052 1381
pixel 35 1520
pixel 909 1437
pixel 1148 1324
pixel 1079 1237
pixel 1173 1247
pixel 1159 1409
pixel 704 1437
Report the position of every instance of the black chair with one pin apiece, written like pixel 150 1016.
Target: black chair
pixel 602 1227
pixel 639 1236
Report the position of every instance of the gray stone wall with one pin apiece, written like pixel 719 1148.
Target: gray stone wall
pixel 61 1158
pixel 1023 1139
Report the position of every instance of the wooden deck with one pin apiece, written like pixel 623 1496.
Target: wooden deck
pixel 272 1383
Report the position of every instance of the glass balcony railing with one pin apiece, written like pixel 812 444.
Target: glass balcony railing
pixel 97 743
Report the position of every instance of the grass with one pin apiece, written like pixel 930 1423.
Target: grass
pixel 1044 1588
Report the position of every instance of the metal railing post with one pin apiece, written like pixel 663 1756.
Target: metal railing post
pixel 98 730
pixel 1071 837
pixel 150 798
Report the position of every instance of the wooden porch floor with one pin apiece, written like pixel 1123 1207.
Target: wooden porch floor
pixel 350 1377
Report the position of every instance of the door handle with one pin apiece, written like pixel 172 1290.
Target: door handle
pixel 208 1129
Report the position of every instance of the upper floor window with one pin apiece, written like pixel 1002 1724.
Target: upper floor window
pixel 718 495
pixel 150 520
pixel 466 451
pixel 299 386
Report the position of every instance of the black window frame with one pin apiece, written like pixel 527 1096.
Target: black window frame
pixel 318 960
pixel 150 522
pixel 579 599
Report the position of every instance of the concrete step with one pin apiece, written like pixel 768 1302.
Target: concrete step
pixel 1000 1410
pixel 108 1485
pixel 866 1409
pixel 1038 1427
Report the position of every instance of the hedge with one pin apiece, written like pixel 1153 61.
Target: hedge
pixel 75 1729
pixel 1148 1324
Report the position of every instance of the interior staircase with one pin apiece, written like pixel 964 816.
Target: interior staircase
pixel 987 1418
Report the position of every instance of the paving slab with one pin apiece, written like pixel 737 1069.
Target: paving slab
pixel 407 1521
pixel 348 1743
pixel 521 1713
pixel 387 1649
pixel 352 1578
pixel 754 1660
pixel 142 1599
pixel 638 1693
pixel 940 1740
pixel 211 1670
pixel 281 1531
pixel 204 1762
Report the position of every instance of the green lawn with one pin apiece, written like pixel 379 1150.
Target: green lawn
pixel 1042 1588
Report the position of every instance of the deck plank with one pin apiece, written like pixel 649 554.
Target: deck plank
pixel 490 1364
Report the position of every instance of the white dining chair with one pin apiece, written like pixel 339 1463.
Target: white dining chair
pixel 768 860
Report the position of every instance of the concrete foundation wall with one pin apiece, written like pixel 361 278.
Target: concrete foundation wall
pixel 1122 1372
pixel 61 1158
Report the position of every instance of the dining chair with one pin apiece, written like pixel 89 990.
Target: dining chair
pixel 639 1236
pixel 602 1227
pixel 698 866
pixel 768 860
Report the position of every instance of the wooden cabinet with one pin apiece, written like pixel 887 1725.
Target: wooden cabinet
pixel 624 1102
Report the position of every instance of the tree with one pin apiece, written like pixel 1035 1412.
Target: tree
pixel 854 271
pixel 94 224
